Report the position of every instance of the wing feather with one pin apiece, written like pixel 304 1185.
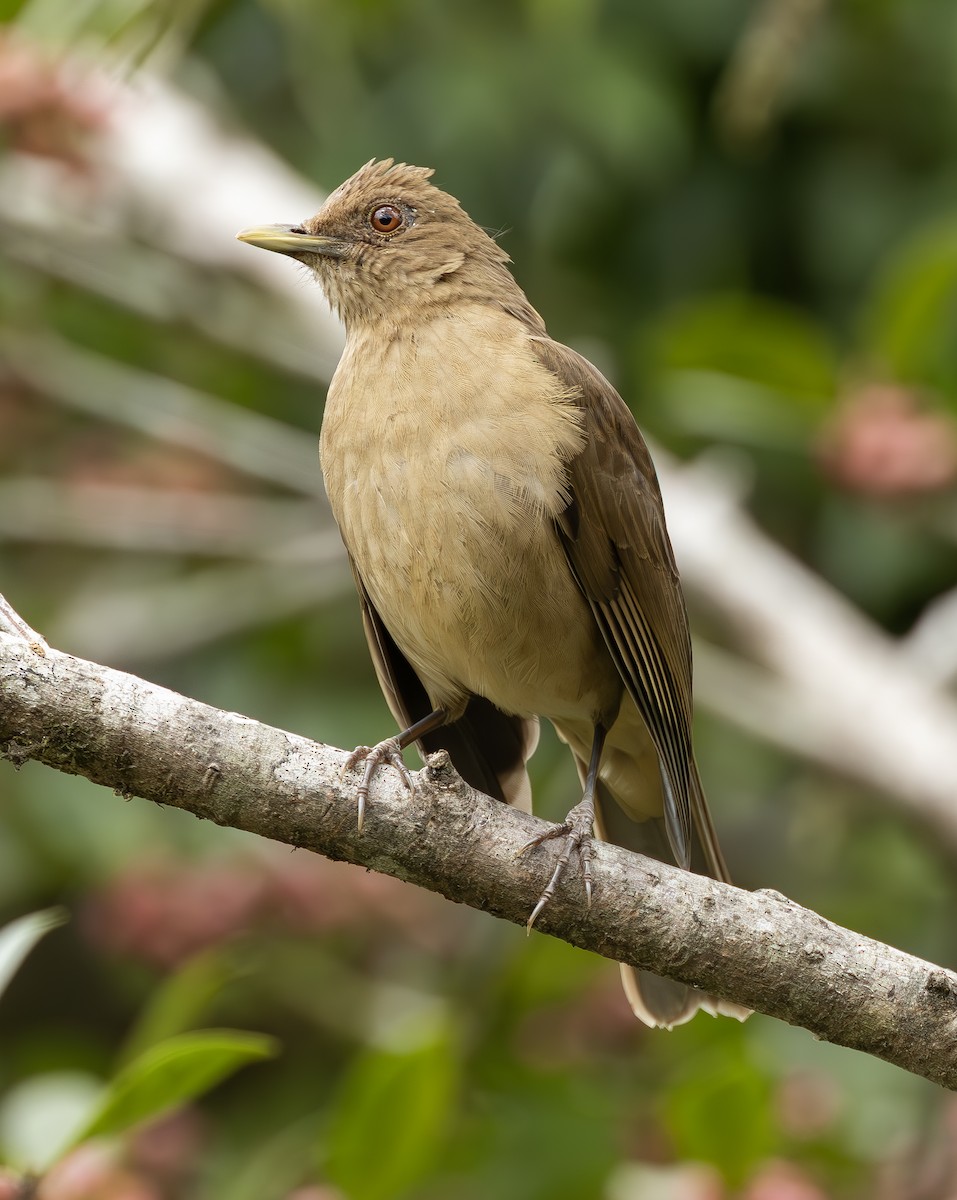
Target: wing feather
pixel 614 536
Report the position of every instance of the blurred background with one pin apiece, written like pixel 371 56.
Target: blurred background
pixel 745 211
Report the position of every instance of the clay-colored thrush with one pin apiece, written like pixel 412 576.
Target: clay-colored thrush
pixel 506 531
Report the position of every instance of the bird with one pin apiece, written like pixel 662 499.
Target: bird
pixel 506 532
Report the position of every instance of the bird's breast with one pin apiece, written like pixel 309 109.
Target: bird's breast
pixel 444 454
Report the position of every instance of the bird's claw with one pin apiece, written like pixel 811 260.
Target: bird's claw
pixel 578 831
pixel 384 753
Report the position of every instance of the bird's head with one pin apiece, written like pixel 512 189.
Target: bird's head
pixel 387 244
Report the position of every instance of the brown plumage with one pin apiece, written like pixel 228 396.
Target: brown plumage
pixel 506 531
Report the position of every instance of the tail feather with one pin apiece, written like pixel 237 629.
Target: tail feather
pixel 655 1000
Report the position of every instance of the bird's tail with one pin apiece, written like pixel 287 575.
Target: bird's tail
pixel 658 1001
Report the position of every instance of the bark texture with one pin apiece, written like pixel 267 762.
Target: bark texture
pixel 755 948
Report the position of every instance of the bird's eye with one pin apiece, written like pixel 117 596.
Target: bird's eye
pixel 385 219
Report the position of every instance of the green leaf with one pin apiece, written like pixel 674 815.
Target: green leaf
pixel 722 407
pixel 172 1072
pixel 180 1000
pixel 910 328
pixel 19 937
pixel 750 338
pixel 390 1119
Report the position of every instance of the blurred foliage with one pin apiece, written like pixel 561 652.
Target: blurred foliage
pixel 745 213
pixel 45 1118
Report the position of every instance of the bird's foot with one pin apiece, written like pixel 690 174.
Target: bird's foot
pixel 578 830
pixel 385 753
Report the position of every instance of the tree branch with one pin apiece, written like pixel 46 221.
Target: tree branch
pixel 758 949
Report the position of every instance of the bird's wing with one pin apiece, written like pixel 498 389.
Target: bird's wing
pixel 614 536
pixel 487 747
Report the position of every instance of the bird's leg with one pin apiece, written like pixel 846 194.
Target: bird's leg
pixel 578 830
pixel 389 751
